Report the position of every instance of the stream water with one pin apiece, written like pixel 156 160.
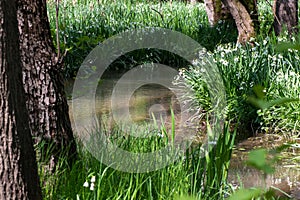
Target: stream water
pixel 154 98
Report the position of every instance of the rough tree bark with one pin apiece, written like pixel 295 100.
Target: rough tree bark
pixel 252 8
pixel 44 89
pixel 18 167
pixel 242 20
pixel 244 12
pixel 286 15
pixel 213 11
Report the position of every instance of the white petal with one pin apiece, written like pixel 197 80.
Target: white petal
pixel 86 184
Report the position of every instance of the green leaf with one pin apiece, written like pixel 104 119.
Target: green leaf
pixel 185 198
pixel 287 45
pixel 259 101
pixel 94 68
pixel 246 194
pixel 259 91
pixel 280 101
pixel 262 104
pixel 258 159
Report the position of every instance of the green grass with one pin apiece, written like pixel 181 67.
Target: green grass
pixel 84 24
pixel 244 67
pixel 190 175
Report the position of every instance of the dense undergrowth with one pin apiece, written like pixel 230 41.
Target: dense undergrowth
pixel 242 69
pixel 198 174
pixel 85 24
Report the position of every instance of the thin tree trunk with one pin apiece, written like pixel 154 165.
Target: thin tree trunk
pixel 286 15
pixel 216 11
pixel 213 11
pixel 242 20
pixel 42 78
pixel 18 167
pixel 252 8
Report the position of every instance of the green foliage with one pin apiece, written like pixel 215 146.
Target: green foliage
pixel 260 102
pixel 258 159
pixel 217 164
pixel 85 24
pixel 285 46
pixel 246 194
pixel 192 175
pixel 243 69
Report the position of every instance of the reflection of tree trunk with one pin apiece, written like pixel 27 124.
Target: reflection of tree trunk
pixel 18 167
pixel 242 20
pixel 286 12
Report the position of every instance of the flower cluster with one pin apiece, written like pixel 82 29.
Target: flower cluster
pixel 91 185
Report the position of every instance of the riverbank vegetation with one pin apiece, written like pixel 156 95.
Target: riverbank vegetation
pixel 194 174
pixel 85 24
pixel 260 64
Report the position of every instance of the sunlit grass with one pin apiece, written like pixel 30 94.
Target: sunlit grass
pixel 84 24
pixel 242 68
pixel 191 174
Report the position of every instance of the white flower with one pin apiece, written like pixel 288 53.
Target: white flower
pixel 86 184
pixel 265 42
pixel 293 39
pixel 227 51
pixel 194 62
pixel 224 62
pixel 236 59
pixel 93 179
pixel 222 54
pixel 255 54
pixel 160 135
pixel 92 187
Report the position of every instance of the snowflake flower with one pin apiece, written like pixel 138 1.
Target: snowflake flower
pixel 93 179
pixel 92 187
pixel 86 184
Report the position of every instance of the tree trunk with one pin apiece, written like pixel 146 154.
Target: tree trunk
pixel 251 7
pixel 18 167
pixel 286 15
pixel 242 20
pixel 213 11
pixel 44 89
pixel 244 12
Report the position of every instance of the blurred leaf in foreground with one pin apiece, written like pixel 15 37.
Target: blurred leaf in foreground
pixel 258 159
pixel 286 46
pixel 246 194
pixel 260 102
